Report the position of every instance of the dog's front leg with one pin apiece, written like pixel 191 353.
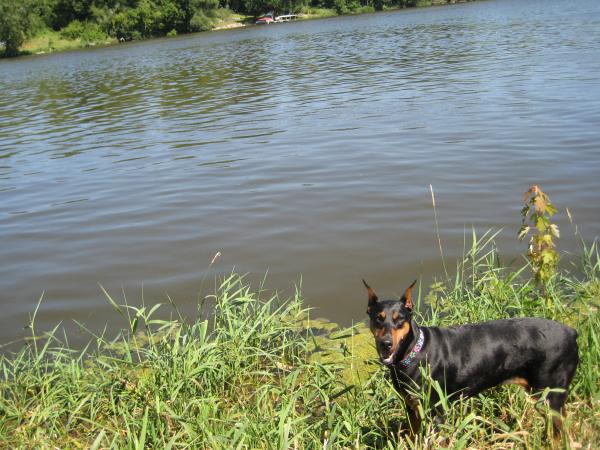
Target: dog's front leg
pixel 414 418
pixel 414 421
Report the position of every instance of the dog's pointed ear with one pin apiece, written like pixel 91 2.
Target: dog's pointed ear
pixel 407 296
pixel 372 295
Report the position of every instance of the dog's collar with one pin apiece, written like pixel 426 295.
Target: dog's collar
pixel 405 362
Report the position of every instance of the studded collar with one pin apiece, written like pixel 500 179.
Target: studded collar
pixel 405 362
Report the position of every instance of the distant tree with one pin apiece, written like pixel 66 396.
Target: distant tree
pixel 157 18
pixel 17 23
pixel 200 12
pixel 114 4
pixel 65 11
pixel 257 7
pixel 44 9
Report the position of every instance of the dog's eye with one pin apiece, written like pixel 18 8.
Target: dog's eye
pixel 379 320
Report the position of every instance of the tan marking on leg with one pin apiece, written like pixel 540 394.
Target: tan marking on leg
pixel 557 424
pixel 412 411
pixel 517 380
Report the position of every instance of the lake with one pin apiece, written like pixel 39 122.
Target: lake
pixel 301 151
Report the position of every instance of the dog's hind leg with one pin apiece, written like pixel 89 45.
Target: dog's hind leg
pixel 559 381
pixel 556 401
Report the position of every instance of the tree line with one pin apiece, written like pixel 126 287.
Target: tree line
pixel 97 20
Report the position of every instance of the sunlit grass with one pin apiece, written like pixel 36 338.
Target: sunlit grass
pixel 50 41
pixel 261 373
pixel 310 12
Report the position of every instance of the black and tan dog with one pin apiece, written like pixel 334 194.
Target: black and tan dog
pixel 534 353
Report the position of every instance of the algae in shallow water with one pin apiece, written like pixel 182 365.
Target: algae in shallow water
pixel 352 348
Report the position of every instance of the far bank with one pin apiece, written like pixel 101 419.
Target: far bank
pixel 46 31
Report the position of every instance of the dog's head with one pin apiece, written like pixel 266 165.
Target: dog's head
pixel 390 322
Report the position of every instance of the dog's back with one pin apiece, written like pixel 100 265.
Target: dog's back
pixel 536 353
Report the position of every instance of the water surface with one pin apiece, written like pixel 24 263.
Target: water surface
pixel 301 150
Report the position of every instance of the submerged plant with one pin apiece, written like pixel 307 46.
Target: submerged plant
pixel 536 214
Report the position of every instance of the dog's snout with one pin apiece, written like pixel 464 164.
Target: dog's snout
pixel 386 344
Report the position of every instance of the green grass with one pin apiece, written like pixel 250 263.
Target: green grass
pixel 226 18
pixel 364 10
pixel 50 41
pixel 261 373
pixel 318 13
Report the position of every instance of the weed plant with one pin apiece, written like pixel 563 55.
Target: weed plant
pixel 261 373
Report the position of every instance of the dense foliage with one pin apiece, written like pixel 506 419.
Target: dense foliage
pixel 95 20
pixel 99 20
pixel 18 21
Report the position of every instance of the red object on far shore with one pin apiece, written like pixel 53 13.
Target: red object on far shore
pixel 265 20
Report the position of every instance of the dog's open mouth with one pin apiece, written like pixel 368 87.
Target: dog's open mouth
pixel 387 358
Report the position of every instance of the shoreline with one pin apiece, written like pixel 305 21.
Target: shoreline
pixel 50 41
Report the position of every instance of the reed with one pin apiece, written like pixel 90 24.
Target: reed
pixel 261 373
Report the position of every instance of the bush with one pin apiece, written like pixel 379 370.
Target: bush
pixel 73 31
pixel 86 31
pixel 200 22
pixel 346 6
pixel 122 25
pixel 364 10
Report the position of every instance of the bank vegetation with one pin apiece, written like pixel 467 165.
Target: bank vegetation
pixel 257 372
pixel 39 26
